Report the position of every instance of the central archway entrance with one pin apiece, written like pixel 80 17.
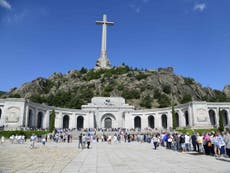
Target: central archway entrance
pixel 108 122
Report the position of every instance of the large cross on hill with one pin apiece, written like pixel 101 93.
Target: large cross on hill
pixel 103 60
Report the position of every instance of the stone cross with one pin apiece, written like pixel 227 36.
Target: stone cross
pixel 103 61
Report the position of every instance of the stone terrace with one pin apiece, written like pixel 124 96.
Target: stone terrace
pixel 102 157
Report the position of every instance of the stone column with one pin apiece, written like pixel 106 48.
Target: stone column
pixel 72 121
pixel 181 118
pixel 26 115
pixel 169 120
pixel 58 120
pixel 35 120
pixel 158 123
pixel 45 119
pixel 190 116
pixel 144 121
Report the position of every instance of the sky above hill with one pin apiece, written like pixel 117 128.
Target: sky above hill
pixel 38 38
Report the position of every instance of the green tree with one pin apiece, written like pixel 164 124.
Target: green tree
pixel 164 101
pixel 188 81
pixel 52 120
pixel 83 70
pixel 219 96
pixel 221 125
pixel 186 98
pixel 131 94
pixel 167 89
pixel 146 102
pixel 157 94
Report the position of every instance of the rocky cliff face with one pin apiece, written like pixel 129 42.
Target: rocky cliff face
pixel 142 88
pixel 227 91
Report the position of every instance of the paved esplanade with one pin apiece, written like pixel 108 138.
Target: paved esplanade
pixel 137 157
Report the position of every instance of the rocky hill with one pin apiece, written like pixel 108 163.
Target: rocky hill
pixel 141 88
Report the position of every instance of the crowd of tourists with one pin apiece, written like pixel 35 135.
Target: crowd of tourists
pixel 212 143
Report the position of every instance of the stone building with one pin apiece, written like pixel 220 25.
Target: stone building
pixel 110 112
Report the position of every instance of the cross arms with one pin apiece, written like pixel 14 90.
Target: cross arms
pixel 102 22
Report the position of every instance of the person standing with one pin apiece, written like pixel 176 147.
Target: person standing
pixel 194 139
pixel 155 141
pixel 187 142
pixel 33 139
pixel 221 144
pixel 88 141
pixel 80 141
pixel 227 142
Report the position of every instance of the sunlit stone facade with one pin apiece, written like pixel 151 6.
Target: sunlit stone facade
pixel 110 112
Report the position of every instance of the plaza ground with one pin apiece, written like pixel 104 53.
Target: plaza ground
pixel 102 157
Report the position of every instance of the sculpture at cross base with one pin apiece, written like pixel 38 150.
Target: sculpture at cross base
pixel 103 60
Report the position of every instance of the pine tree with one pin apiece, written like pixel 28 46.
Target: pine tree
pixel 52 120
pixel 221 125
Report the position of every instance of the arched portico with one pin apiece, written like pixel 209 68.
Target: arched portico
pixel 212 117
pixel 137 122
pixel 151 122
pixel 164 121
pixel 66 122
pixel 30 119
pixel 108 121
pixel 80 122
pixel 186 117
pixel 225 117
pixel 40 120
pixel 177 120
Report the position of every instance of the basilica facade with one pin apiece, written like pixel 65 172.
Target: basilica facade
pixel 110 112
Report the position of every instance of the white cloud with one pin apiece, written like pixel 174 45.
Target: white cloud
pixel 200 7
pixel 15 18
pixel 5 4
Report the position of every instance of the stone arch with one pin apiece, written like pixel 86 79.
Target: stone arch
pixel 107 120
pixel 137 122
pixel 164 121
pixel 40 120
pixel 212 117
pixel 65 124
pixel 225 117
pixel 151 121
pixel 80 122
pixel 186 117
pixel 177 120
pixel 30 119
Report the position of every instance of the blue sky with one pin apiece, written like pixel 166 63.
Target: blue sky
pixel 40 37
